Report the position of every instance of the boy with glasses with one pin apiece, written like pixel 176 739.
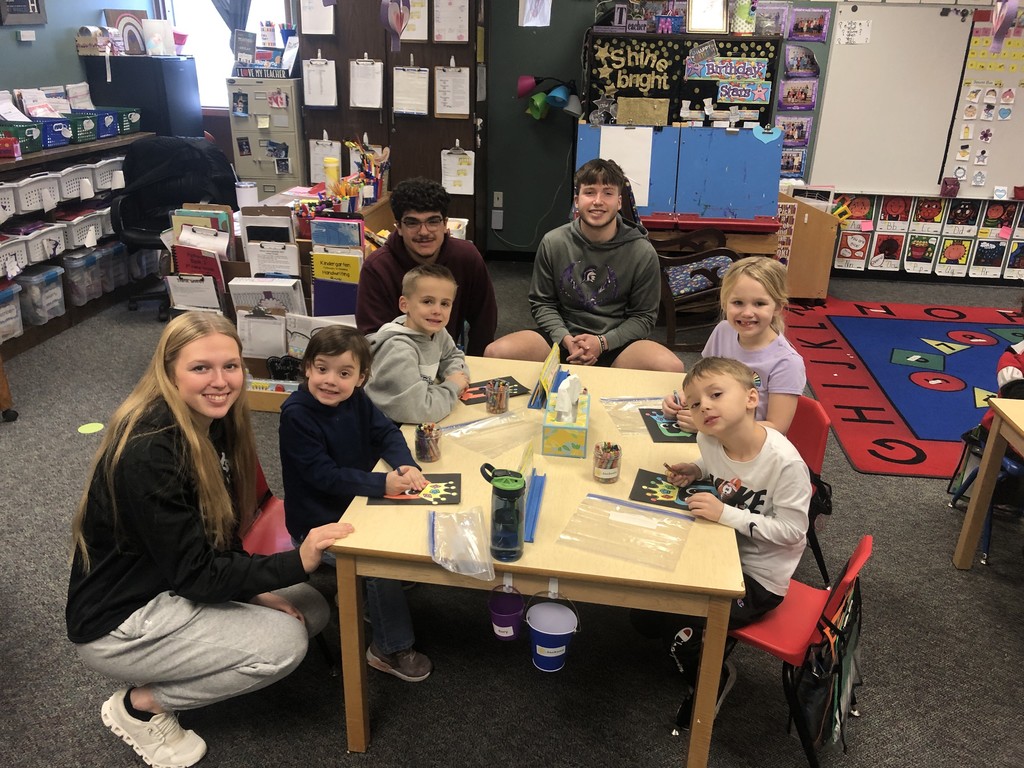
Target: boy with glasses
pixel 420 207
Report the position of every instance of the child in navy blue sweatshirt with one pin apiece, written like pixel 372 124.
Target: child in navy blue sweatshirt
pixel 331 437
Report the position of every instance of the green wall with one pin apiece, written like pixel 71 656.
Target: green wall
pixel 527 159
pixel 51 59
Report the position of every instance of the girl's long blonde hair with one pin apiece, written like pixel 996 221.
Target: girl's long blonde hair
pixel 200 462
pixel 769 273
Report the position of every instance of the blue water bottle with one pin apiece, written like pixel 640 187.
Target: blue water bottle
pixel 508 521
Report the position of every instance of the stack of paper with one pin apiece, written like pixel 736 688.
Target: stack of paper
pixel 200 240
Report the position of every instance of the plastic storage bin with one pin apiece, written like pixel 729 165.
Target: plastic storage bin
pixel 56 133
pixel 76 229
pixel 29 135
pixel 103 172
pixel 34 192
pixel 44 242
pixel 13 254
pixel 129 119
pixel 8 190
pixel 10 311
pixel 79 128
pixel 42 295
pixel 105 119
pixel 113 261
pixel 71 179
pixel 84 280
pixel 144 262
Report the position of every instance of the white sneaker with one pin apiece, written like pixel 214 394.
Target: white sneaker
pixel 161 742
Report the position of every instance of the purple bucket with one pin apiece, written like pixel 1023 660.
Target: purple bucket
pixel 506 606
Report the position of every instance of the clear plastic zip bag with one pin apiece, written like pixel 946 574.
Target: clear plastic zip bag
pixel 494 435
pixel 639 533
pixel 458 543
pixel 625 412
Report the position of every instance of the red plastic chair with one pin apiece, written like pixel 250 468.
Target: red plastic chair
pixel 791 631
pixel 268 535
pixel 809 434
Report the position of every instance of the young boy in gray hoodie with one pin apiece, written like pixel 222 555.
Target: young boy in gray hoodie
pixel 419 373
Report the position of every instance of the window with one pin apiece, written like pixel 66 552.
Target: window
pixel 209 40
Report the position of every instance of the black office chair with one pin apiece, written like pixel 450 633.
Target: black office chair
pixel 162 173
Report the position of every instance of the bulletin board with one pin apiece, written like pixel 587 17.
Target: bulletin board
pixel 984 150
pixel 654 67
pixel 888 102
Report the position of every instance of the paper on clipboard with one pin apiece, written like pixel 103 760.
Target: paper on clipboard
pixel 411 90
pixel 451 92
pixel 416 29
pixel 366 84
pixel 319 149
pixel 280 258
pixel 207 238
pixel 316 18
pixel 319 83
pixel 193 291
pixel 457 166
pixel 263 335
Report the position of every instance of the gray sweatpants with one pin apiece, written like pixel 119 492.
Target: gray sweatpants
pixel 194 654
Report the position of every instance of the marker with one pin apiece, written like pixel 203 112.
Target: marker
pixel 675 394
pixel 400 471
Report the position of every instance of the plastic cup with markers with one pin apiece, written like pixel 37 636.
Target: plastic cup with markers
pixel 428 443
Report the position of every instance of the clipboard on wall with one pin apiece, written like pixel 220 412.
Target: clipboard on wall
pixel 365 83
pixel 451 92
pixel 458 168
pixel 319 82
pixel 319 149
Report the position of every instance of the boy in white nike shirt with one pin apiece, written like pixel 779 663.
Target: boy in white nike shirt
pixel 767 492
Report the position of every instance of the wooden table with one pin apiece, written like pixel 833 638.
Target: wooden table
pixel 392 542
pixel 1007 428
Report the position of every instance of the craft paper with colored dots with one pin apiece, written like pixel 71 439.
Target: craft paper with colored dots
pixel 663 429
pixel 442 489
pixel 654 488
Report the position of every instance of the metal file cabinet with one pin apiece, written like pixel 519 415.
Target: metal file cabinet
pixel 266 115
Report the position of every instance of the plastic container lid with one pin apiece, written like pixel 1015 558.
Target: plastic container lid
pixel 79 259
pixel 34 276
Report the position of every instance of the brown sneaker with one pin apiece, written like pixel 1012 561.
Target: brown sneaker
pixel 409 665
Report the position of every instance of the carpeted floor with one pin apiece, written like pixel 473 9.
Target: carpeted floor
pixel 940 646
pixel 902 382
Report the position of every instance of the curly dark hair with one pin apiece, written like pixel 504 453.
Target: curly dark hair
pixel 420 195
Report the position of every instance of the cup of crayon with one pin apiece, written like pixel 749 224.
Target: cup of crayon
pixel 428 443
pixel 497 396
pixel 607 462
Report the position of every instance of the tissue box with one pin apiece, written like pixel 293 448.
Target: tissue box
pixel 566 438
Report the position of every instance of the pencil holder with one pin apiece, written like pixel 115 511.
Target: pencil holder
pixel 497 396
pixel 607 462
pixel 428 443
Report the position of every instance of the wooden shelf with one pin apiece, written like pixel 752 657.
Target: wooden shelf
pixel 79 152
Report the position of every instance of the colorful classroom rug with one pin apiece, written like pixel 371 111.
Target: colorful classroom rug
pixel 902 382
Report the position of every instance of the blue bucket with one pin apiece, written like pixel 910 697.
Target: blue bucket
pixel 552 626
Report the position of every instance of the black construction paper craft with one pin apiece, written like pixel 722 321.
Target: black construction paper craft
pixel 664 430
pixel 443 489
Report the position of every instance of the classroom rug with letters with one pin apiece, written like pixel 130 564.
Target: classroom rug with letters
pixel 902 382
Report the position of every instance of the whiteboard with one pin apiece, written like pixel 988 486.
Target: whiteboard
pixel 888 104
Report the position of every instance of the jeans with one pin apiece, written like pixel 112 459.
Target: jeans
pixel 388 610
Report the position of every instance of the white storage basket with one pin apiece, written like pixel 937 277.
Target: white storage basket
pixel 32 191
pixel 45 243
pixel 13 255
pixel 71 181
pixel 76 231
pixel 103 172
pixel 8 191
